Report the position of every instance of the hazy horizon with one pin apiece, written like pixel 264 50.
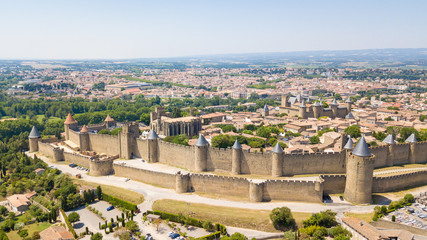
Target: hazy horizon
pixel 131 29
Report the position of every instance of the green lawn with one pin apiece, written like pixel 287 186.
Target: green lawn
pixel 35 227
pixel 236 217
pixel 40 118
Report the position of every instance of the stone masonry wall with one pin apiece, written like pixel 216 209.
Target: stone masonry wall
pixel 333 183
pixel 103 143
pixel 292 190
pixel 380 153
pixel 176 155
pixel 74 137
pixel 401 153
pixel 166 180
pixel 399 182
pixel 230 186
pixel 78 159
pixel 295 164
pixel 421 153
pixel 255 163
pixel 46 149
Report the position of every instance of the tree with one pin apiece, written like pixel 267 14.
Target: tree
pixel 222 141
pixel 235 236
pixel 96 236
pixel 282 219
pixel 99 192
pixel 157 223
pixel 338 96
pixel 73 217
pixel 132 226
pixel 353 131
pixel 229 128
pixel 323 219
pixel 264 132
pixel 314 140
pixel 409 198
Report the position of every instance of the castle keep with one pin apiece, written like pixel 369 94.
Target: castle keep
pixel 297 106
pixel 349 171
pixel 166 126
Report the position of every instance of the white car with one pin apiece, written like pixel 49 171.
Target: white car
pixel 127 179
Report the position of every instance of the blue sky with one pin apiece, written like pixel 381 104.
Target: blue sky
pixel 94 29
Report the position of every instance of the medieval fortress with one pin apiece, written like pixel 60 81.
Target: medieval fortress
pixel 232 171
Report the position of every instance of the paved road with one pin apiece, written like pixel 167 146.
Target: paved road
pixel 153 193
pixel 399 170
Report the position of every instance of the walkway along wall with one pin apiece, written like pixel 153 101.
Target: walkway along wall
pixel 288 190
pixel 251 162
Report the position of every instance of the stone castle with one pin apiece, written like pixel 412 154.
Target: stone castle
pixel 166 126
pixel 298 106
pixel 350 171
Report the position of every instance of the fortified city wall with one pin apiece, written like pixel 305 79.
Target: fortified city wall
pixel 399 182
pixel 251 162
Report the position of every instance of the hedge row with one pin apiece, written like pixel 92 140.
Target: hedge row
pixel 188 220
pixel 118 202
pixel 70 227
pixel 212 236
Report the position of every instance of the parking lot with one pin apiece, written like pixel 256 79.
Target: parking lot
pixel 102 206
pixel 414 215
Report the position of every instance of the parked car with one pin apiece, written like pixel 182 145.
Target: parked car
pixel 127 179
pixel 175 235
pixel 171 233
pixel 148 236
pixel 110 208
pixel 341 198
pixel 72 165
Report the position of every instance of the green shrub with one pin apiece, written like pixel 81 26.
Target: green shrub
pixel 211 236
pixel 69 225
pixel 23 233
pixel 119 202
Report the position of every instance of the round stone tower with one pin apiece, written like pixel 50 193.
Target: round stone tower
pixel 256 190
pixel 348 105
pixel 84 139
pixel 317 109
pixel 201 154
pixel 277 161
pixel 69 124
pixel 360 171
pixel 182 182
pixel 412 140
pixel 265 111
pixel 389 140
pixel 334 108
pixel 303 110
pixel 34 139
pixel 153 146
pixel 236 158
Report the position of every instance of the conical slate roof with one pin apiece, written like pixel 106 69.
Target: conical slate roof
pixel 334 103
pixel 349 116
pixel 389 139
pixel 84 129
pixel 362 148
pixel 109 119
pixel 237 145
pixel 348 100
pixel 152 134
pixel 201 142
pixel 34 133
pixel 277 148
pixel 265 108
pixel 411 139
pixel 302 103
pixel 349 144
pixel 70 119
pixel 316 104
